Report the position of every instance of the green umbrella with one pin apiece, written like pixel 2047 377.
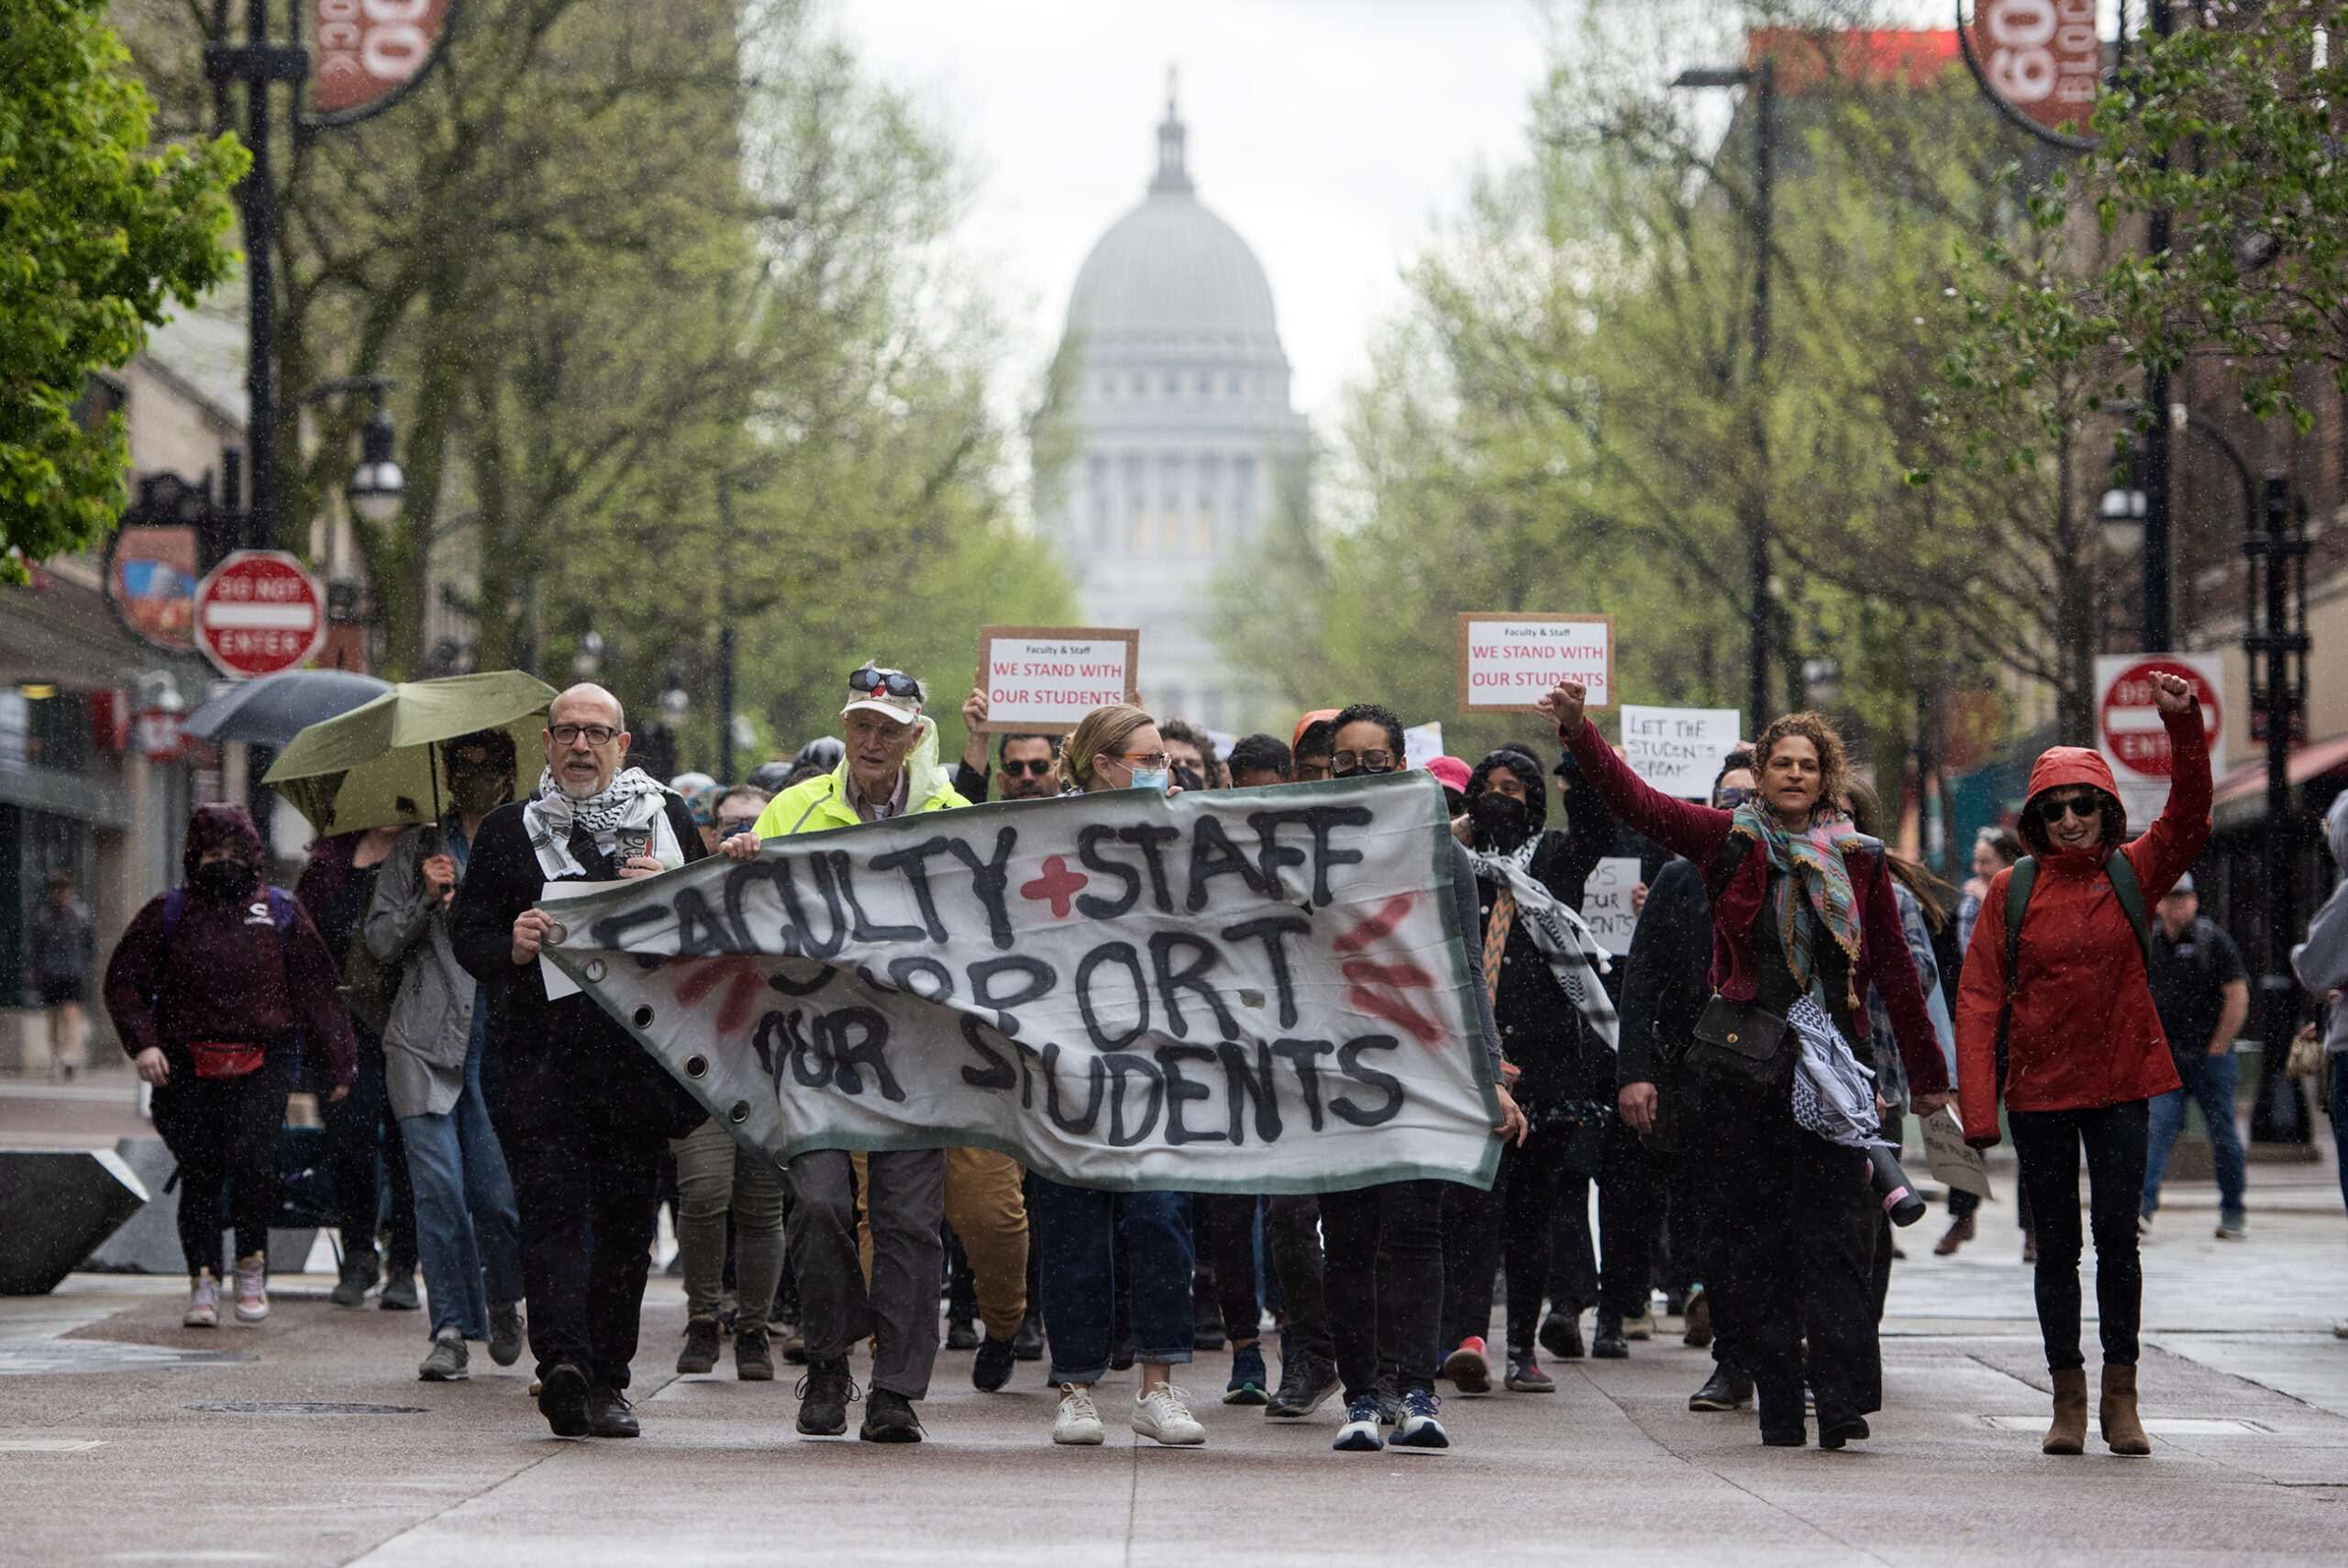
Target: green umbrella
pixel 379 764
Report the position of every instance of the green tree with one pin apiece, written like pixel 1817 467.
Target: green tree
pixel 97 232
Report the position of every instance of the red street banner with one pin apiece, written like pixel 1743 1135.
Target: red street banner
pixel 368 49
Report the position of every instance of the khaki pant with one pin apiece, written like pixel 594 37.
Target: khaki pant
pixel 984 1205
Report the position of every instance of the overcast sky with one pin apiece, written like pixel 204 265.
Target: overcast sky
pixel 1332 134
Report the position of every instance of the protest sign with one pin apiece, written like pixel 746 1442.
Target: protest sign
pixel 1606 903
pixel 1041 680
pixel 1243 990
pixel 1679 750
pixel 1952 1160
pixel 1422 744
pixel 1509 662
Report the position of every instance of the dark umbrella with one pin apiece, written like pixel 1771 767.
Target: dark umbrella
pixel 274 709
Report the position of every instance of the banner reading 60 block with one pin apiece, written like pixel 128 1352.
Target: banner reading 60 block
pixel 1245 990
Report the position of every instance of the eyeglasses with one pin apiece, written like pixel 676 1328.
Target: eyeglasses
pixel 596 734
pixel 1365 761
pixel 1035 768
pixel 1151 760
pixel 895 682
pixel 2083 807
pixel 1728 800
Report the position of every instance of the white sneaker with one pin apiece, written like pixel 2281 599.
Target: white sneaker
pixel 252 1288
pixel 1078 1423
pixel 1165 1415
pixel 203 1303
pixel 2143 1226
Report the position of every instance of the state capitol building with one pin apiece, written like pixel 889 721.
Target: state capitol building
pixel 1185 432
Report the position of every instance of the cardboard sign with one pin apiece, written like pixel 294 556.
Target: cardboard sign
pixel 1679 750
pixel 1507 663
pixel 1422 744
pixel 1242 991
pixel 1606 903
pixel 1954 1162
pixel 1041 680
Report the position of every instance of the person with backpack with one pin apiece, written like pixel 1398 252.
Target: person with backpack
pixel 1777 1074
pixel 2056 1017
pixel 214 989
pixel 2202 993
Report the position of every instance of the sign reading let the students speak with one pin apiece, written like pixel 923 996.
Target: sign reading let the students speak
pixel 1042 680
pixel 1509 662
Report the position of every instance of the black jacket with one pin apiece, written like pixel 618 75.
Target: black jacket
pixel 1666 980
pixel 1540 1029
pixel 563 1067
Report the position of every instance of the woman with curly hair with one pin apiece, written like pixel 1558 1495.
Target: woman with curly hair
pixel 1804 921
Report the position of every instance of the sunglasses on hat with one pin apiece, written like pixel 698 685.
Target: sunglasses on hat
pixel 895 682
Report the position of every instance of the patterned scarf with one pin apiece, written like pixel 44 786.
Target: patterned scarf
pixel 1571 948
pixel 1811 861
pixel 632 800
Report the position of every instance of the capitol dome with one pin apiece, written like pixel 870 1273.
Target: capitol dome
pixel 1187 441
pixel 1170 274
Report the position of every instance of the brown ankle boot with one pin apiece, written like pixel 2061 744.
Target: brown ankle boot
pixel 2122 1433
pixel 2069 1433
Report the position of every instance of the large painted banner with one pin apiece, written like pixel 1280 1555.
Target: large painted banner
pixel 1242 991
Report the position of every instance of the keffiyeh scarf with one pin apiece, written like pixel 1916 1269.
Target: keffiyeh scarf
pixel 1834 1096
pixel 632 800
pixel 1815 882
pixel 1570 945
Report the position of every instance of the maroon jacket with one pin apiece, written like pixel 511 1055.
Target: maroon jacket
pixel 1698 833
pixel 220 976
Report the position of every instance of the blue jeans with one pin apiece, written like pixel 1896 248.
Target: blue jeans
pixel 1078 1227
pixel 466 1221
pixel 2209 1083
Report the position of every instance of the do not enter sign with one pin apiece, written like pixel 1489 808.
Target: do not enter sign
pixel 259 612
pixel 2129 728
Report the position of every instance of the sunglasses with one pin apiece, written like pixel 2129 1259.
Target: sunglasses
pixel 2083 807
pixel 1033 767
pixel 895 682
pixel 1150 761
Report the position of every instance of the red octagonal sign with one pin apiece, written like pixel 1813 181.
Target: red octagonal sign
pixel 259 612
pixel 2133 736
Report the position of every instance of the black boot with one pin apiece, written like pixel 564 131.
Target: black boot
pixel 700 1353
pixel 1608 1343
pixel 1784 1422
pixel 961 1334
pixel 562 1400
pixel 1728 1390
pixel 889 1417
pixel 990 1368
pixel 609 1415
pixel 1561 1334
pixel 1027 1344
pixel 824 1395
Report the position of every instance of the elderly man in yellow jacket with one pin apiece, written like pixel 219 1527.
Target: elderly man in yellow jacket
pixel 890 770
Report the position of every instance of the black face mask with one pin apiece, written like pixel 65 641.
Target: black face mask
pixel 1188 777
pixel 1358 771
pixel 1501 820
pixel 228 880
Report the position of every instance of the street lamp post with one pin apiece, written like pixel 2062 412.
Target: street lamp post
pixel 2274 632
pixel 1762 77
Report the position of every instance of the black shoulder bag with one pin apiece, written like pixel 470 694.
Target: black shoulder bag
pixel 1741 1049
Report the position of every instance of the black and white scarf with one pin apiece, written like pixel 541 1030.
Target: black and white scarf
pixel 632 800
pixel 1562 936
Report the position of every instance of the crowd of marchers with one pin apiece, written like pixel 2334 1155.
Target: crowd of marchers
pixel 1794 991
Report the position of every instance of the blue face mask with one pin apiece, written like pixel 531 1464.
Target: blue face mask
pixel 1152 779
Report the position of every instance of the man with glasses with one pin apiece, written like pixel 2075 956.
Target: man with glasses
pixel 1026 769
pixel 582 1112
pixel 890 770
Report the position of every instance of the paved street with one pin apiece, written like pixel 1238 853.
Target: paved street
pixel 113 1450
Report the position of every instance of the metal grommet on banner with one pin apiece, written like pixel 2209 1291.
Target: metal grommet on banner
pixel 642 1018
pixel 696 1066
pixel 558 933
pixel 740 1113
pixel 595 968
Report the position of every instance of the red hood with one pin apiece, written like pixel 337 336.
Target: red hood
pixel 2059 766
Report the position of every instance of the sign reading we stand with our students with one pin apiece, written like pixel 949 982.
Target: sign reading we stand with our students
pixel 1509 661
pixel 1041 680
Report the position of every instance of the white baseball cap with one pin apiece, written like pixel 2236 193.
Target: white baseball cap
pixel 890 693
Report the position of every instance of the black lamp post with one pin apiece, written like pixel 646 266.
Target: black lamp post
pixel 1762 77
pixel 2274 634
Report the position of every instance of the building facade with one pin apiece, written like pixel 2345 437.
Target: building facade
pixel 1188 444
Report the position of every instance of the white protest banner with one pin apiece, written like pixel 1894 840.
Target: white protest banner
pixel 1507 663
pixel 1679 750
pixel 1042 680
pixel 1954 1162
pixel 1248 990
pixel 1606 903
pixel 1422 744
